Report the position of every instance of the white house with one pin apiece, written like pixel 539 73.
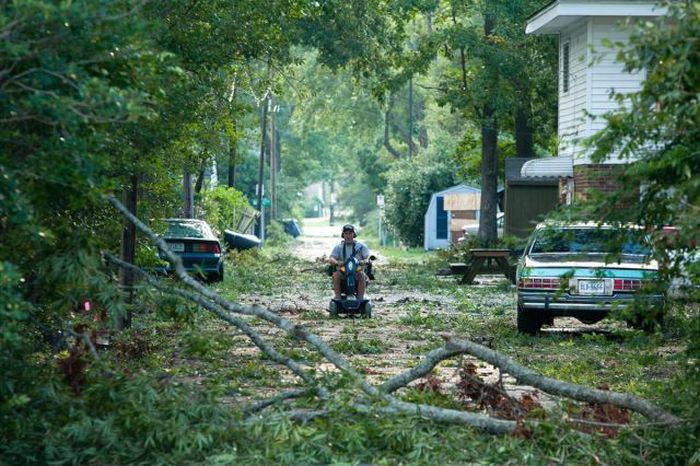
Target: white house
pixel 442 222
pixel 588 75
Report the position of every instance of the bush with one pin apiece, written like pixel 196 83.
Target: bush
pixel 275 235
pixel 224 207
pixel 411 184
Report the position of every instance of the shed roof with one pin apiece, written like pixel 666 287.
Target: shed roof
pixel 457 188
pixel 548 168
pixel 513 166
pixel 559 14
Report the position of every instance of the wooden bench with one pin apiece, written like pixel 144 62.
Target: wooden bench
pixel 458 268
pixel 480 259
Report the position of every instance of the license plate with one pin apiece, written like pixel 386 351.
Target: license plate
pixel 591 286
pixel 177 247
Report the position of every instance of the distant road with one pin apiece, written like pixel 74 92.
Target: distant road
pixel 317 240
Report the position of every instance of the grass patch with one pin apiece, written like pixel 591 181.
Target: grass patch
pixel 353 344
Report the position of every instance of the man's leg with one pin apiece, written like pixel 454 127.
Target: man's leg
pixel 360 285
pixel 337 276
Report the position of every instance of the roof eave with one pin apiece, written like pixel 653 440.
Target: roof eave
pixel 559 14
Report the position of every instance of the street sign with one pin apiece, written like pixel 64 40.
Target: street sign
pixel 380 200
pixel 265 202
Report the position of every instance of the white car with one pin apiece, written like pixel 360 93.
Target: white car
pixel 472 229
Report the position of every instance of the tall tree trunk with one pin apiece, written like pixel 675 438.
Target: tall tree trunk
pixel 259 228
pixel 128 252
pixel 233 142
pixel 489 177
pixel 232 153
pixel 200 182
pixel 387 123
pixel 524 146
pixel 188 207
pixel 489 173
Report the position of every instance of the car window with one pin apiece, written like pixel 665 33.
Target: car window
pixel 186 229
pixel 587 240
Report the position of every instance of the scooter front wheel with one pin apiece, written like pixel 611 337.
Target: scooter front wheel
pixel 366 310
pixel 333 308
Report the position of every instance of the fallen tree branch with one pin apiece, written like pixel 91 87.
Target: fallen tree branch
pixel 527 376
pixel 262 404
pixel 243 326
pixel 451 416
pixel 428 363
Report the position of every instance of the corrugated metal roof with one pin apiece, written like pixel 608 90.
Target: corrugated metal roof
pixel 548 168
pixel 513 166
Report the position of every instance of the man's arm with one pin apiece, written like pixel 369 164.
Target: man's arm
pixel 334 258
pixel 364 253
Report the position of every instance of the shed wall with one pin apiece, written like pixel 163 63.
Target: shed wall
pixel 526 205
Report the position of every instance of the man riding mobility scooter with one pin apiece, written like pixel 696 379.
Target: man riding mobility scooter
pixel 349 281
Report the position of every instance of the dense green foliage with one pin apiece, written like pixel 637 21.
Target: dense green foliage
pixel 224 207
pixel 411 184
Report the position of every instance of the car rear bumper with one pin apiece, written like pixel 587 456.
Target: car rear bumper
pixel 195 263
pixel 568 304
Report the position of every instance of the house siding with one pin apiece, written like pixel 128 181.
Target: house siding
pixel 607 75
pixel 572 105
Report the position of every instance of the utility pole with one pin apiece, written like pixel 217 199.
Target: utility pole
pixel 410 117
pixel 273 160
pixel 128 252
pixel 260 228
pixel 331 216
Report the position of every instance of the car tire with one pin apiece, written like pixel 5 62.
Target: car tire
pixel 217 276
pixel 529 322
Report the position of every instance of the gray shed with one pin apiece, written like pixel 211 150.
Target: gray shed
pixel 438 221
pixel 532 191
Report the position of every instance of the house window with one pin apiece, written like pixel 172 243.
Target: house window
pixel 565 67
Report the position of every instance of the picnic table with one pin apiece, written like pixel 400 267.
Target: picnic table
pixel 480 260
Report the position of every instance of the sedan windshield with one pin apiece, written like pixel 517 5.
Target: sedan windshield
pixel 588 240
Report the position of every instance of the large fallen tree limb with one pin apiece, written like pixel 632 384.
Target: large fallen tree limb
pixel 526 376
pixel 379 398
